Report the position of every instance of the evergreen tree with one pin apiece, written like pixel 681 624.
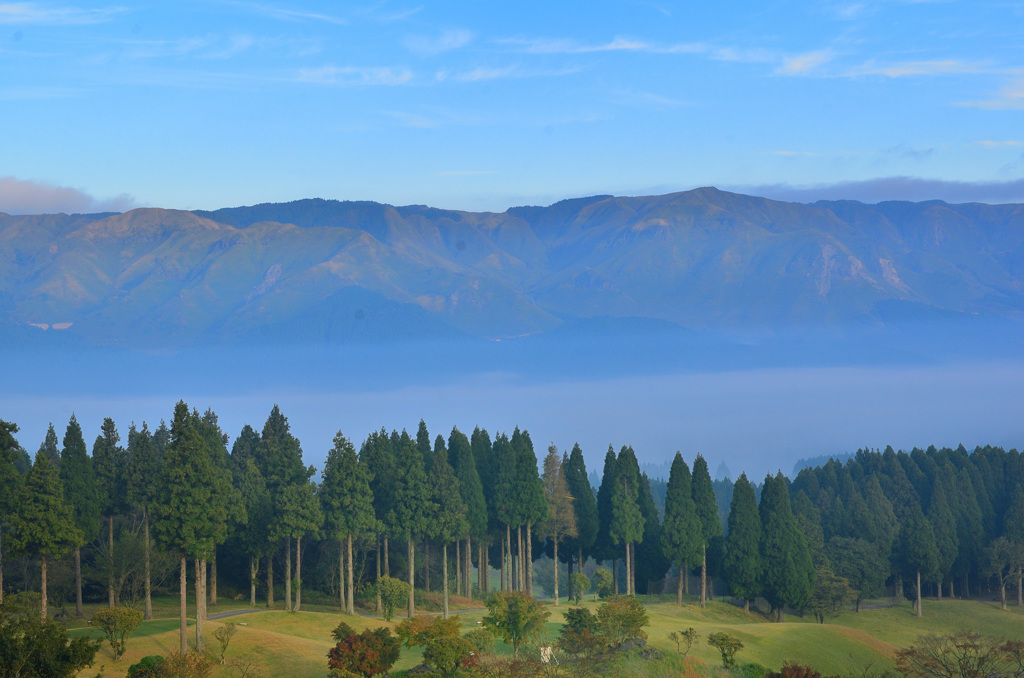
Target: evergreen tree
pixel 707 513
pixel 504 477
pixel 49 447
pixel 561 519
pixel 788 571
pixel 347 504
pixel 627 526
pixel 79 482
pixel 254 536
pixel 743 566
pixel 584 506
pixel 245 447
pixel 43 524
pixel 411 503
pixel 918 553
pixel 681 535
pixel 1013 529
pixel 300 516
pixel 650 564
pixel 445 516
pixel 109 464
pixel 859 562
pixel 142 474
pixel 377 454
pixel 10 482
pixel 423 444
pixel 941 519
pixel 531 507
pixel 604 545
pixel 460 455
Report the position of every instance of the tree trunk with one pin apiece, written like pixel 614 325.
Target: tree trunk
pixel 42 588
pixel 378 575
pixel 270 580
pixel 458 567
pixel 520 566
pixel 1002 592
pixel 213 577
pixel 110 561
pixel 679 588
pixel 506 558
pixel 950 588
pixel 288 574
pixel 686 581
pixel 351 596
pixel 412 578
pixel 253 565
pixel 1 564
pixel 298 573
pixel 78 581
pixel 444 576
pixel 426 565
pixel 938 590
pixel 615 575
pixel 481 571
pixel 778 613
pixel 704 576
pixel 469 569
pixel 200 599
pixel 182 604
pixel 555 541
pixel 148 567
pixel 919 593
pixel 387 565
pixel 529 558
pixel 341 574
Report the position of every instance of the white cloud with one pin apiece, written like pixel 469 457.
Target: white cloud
pixel 894 188
pixel 559 46
pixel 911 68
pixel 447 41
pixel 803 64
pixel 21 196
pixel 289 14
pixel 999 144
pixel 1010 97
pixel 35 13
pixel 356 75
pixel 514 71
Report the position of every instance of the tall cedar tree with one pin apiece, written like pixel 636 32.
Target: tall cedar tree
pixel 604 546
pixel 141 475
pixel 503 500
pixel 627 521
pixel 191 511
pixel 859 562
pixel 347 504
pixel 43 524
pixel 681 539
pixel 944 526
pixel 532 509
pixel 439 450
pixel 377 454
pixel 300 516
pixel 423 444
pixel 10 481
pixel 237 515
pixel 1013 529
pixel 918 553
pixel 743 566
pixel 109 464
pixel 707 512
pixel 460 454
pixel 584 506
pixel 50 447
pixel 445 518
pixel 561 520
pixel 79 482
pixel 254 536
pixel 789 575
pixel 480 442
pixel 651 562
pixel 411 503
pixel 279 458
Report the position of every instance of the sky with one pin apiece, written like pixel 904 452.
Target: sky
pixel 482 106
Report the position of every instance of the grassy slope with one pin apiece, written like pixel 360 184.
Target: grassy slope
pixel 297 644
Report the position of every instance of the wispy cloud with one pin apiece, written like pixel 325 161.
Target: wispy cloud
pixel 356 75
pixel 21 196
pixel 290 14
pixel 36 13
pixel 464 173
pixel 934 67
pixel 447 41
pixel 905 151
pixel 483 73
pixel 1010 97
pixel 804 64
pixel 563 46
pixel 647 99
pixel 999 144
pixel 796 154
pixel 894 188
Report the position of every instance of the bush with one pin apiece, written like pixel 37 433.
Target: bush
pixel 481 639
pixel 366 654
pixel 727 645
pixel 681 638
pixel 603 583
pixel 342 631
pixel 117 624
pixel 392 592
pixel 151 666
pixel 30 646
pixel 580 585
pixel 580 635
pixel 515 617
pixel 422 630
pixel 622 619
pixel 224 635
pixel 188 665
pixel 791 669
pixel 754 671
pixel 446 653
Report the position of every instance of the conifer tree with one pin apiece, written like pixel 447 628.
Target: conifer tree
pixel 79 482
pixel 918 553
pixel 377 454
pixel 561 520
pixel 651 562
pixel 347 504
pixel 142 475
pixel 743 566
pixel 411 506
pixel 10 482
pixel 707 513
pixel 300 516
pixel 627 525
pixel 254 536
pixel 946 544
pixel 584 506
pixel 50 447
pixel 445 517
pixel 245 447
pixel 460 454
pixel 109 464
pixel 1013 529
pixel 43 524
pixel 681 534
pixel 788 571
pixel 504 477
pixel 423 444
pixel 532 508
pixel 604 545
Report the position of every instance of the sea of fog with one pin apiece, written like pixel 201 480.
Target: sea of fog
pixel 756 415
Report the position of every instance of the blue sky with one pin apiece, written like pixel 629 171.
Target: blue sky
pixel 486 105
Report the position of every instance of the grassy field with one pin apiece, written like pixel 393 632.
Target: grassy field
pixel 285 644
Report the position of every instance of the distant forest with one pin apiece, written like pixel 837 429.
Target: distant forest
pixel 120 523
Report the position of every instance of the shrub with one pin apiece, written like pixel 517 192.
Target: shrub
pixel 754 671
pixel 791 669
pixel 188 665
pixel 581 636
pixel 151 666
pixel 515 617
pixel 446 653
pixel 30 646
pixel 681 638
pixel 342 631
pixel 481 639
pixel 727 645
pixel 366 654
pixel 117 624
pixel 224 635
pixel 622 619
pixel 603 583
pixel 422 630
pixel 580 585
pixel 392 592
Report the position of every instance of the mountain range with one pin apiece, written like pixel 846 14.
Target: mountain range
pixel 329 272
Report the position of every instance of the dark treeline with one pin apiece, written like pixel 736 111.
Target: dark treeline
pixel 124 522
